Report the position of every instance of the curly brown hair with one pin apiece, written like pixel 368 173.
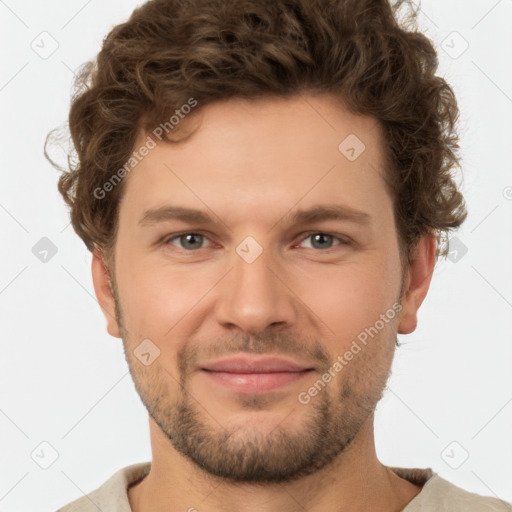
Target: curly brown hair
pixel 357 50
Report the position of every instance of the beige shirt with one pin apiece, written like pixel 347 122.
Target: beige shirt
pixel 437 494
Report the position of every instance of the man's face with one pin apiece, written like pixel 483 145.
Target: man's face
pixel 253 282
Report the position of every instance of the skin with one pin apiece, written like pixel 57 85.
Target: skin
pixel 249 163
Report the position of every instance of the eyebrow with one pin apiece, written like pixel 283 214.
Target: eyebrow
pixel 315 214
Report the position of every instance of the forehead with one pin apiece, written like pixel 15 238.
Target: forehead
pixel 263 156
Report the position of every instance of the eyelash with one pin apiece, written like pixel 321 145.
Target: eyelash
pixel 344 240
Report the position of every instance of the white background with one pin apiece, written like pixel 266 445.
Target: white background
pixel 64 380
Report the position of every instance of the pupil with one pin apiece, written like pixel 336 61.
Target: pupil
pixel 191 237
pixel 321 236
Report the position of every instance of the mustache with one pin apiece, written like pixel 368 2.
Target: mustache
pixel 275 344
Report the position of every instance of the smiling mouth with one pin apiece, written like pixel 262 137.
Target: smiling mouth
pixel 255 382
pixel 245 373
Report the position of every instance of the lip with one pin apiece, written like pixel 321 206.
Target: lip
pixel 262 374
pixel 255 382
pixel 254 364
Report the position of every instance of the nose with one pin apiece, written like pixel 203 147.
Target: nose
pixel 254 296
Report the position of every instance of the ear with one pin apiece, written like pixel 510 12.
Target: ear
pixel 103 291
pixel 417 282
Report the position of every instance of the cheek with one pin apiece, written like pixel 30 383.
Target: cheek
pixel 346 300
pixel 155 297
pixel 338 300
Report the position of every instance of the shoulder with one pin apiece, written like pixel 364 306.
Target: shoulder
pixel 440 495
pixel 446 496
pixel 111 495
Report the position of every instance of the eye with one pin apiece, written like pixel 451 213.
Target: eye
pixel 323 240
pixel 192 241
pixel 187 241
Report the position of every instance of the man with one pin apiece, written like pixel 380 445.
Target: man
pixel 259 132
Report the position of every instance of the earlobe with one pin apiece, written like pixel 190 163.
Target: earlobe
pixel 103 291
pixel 418 278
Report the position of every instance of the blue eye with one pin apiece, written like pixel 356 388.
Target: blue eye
pixel 322 240
pixel 192 241
pixel 188 240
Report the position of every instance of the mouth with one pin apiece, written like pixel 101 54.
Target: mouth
pixel 244 374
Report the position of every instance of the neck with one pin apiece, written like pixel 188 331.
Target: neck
pixel 355 481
